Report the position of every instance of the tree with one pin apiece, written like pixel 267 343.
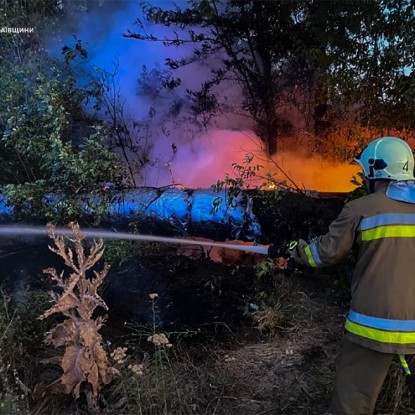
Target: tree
pixel 244 31
pixel 368 71
pixel 54 147
pixel 325 57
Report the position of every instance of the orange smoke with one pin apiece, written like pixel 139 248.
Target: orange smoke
pixel 312 173
pixel 207 160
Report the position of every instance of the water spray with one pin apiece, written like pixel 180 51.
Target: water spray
pixel 16 230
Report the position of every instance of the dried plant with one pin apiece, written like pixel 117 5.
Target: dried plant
pixel 84 360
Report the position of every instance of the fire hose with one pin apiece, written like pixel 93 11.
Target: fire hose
pixel 273 251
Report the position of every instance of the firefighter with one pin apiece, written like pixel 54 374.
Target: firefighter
pixel 381 321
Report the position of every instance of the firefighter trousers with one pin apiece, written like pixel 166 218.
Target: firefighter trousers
pixel 360 373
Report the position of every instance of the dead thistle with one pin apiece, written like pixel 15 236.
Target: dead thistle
pixel 84 358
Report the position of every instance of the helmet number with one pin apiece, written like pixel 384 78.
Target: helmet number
pixel 405 166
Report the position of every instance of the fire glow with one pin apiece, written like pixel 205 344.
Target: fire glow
pixel 201 163
pixel 179 158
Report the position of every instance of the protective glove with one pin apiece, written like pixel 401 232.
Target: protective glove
pixel 283 251
pixel 297 252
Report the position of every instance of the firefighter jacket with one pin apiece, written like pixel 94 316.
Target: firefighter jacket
pixel 382 224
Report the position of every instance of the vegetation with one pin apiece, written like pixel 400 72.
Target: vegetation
pixel 46 165
pixel 84 360
pixel 64 132
pixel 333 62
pixel 54 148
pixel 205 338
pixel 272 349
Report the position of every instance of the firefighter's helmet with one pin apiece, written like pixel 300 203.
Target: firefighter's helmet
pixel 387 158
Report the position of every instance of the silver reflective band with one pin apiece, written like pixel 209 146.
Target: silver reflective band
pixel 315 254
pixel 387 219
pixel 382 323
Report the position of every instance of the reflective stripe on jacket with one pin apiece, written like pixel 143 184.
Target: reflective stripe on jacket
pixel 382 224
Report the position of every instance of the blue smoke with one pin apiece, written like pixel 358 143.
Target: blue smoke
pixel 181 149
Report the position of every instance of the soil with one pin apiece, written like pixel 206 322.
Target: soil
pixel 271 341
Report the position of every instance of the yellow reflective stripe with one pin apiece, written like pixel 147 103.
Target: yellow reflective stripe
pixel 398 337
pixel 397 231
pixel 404 364
pixel 310 257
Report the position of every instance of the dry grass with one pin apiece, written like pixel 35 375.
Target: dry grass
pixel 14 394
pixel 394 397
pixel 284 366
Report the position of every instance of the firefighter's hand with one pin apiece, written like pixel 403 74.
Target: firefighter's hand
pixel 282 254
pixel 281 251
pixel 297 252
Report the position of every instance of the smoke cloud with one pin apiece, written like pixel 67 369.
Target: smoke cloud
pixel 183 152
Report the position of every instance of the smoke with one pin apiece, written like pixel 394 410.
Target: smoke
pixel 183 151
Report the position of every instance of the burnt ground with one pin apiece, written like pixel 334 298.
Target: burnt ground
pixel 257 345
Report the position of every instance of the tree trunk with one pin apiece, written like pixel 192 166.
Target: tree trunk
pixel 271 142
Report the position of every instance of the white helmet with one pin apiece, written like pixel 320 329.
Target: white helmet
pixel 387 158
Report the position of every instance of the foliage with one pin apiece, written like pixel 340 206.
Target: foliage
pixel 18 47
pixel 21 347
pixel 360 189
pixel 267 269
pixel 234 186
pixel 22 55
pixel 53 146
pixel 380 58
pixel 120 251
pixel 152 83
pixel 284 210
pixel 326 59
pixel 84 358
pixel 237 30
pixel 346 137
pixel 344 140
pixel 53 152
pixel 248 177
pixel 272 308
